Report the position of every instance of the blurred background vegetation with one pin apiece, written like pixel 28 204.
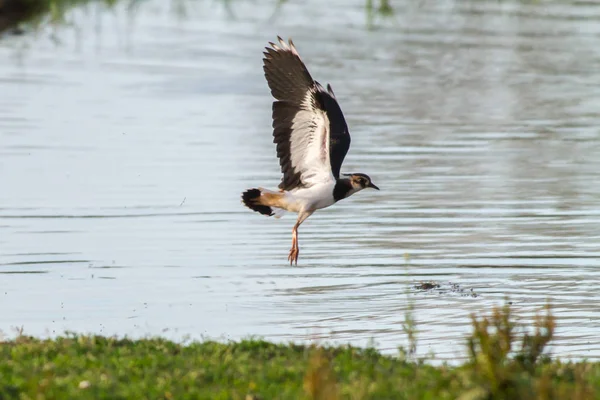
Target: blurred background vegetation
pixel 15 13
pixel 18 15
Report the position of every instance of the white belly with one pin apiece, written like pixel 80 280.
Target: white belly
pixel 310 199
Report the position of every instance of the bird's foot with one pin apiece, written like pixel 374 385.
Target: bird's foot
pixel 293 257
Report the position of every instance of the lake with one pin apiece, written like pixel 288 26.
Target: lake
pixel 127 137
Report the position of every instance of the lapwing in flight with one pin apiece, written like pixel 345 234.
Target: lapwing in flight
pixel 312 140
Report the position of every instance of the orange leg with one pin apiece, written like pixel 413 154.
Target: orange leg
pixel 295 250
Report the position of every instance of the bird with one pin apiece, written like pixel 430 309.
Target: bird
pixel 312 140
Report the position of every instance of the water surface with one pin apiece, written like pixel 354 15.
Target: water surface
pixel 126 140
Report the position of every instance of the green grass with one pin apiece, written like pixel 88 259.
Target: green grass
pixel 504 362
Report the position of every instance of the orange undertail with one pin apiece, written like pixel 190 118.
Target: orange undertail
pixel 262 201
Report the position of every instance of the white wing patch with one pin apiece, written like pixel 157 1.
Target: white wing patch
pixel 309 143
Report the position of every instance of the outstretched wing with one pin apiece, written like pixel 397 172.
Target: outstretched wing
pixel 308 124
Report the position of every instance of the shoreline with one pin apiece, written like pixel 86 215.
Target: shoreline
pixel 504 360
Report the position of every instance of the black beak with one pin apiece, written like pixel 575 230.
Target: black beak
pixel 372 185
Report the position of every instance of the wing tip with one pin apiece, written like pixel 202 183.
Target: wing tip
pixel 283 46
pixel 330 90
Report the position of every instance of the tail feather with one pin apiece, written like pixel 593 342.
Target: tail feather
pixel 251 199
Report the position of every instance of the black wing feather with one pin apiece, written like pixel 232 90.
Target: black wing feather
pixel 339 137
pixel 283 114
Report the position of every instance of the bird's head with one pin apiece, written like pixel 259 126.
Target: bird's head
pixel 360 182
